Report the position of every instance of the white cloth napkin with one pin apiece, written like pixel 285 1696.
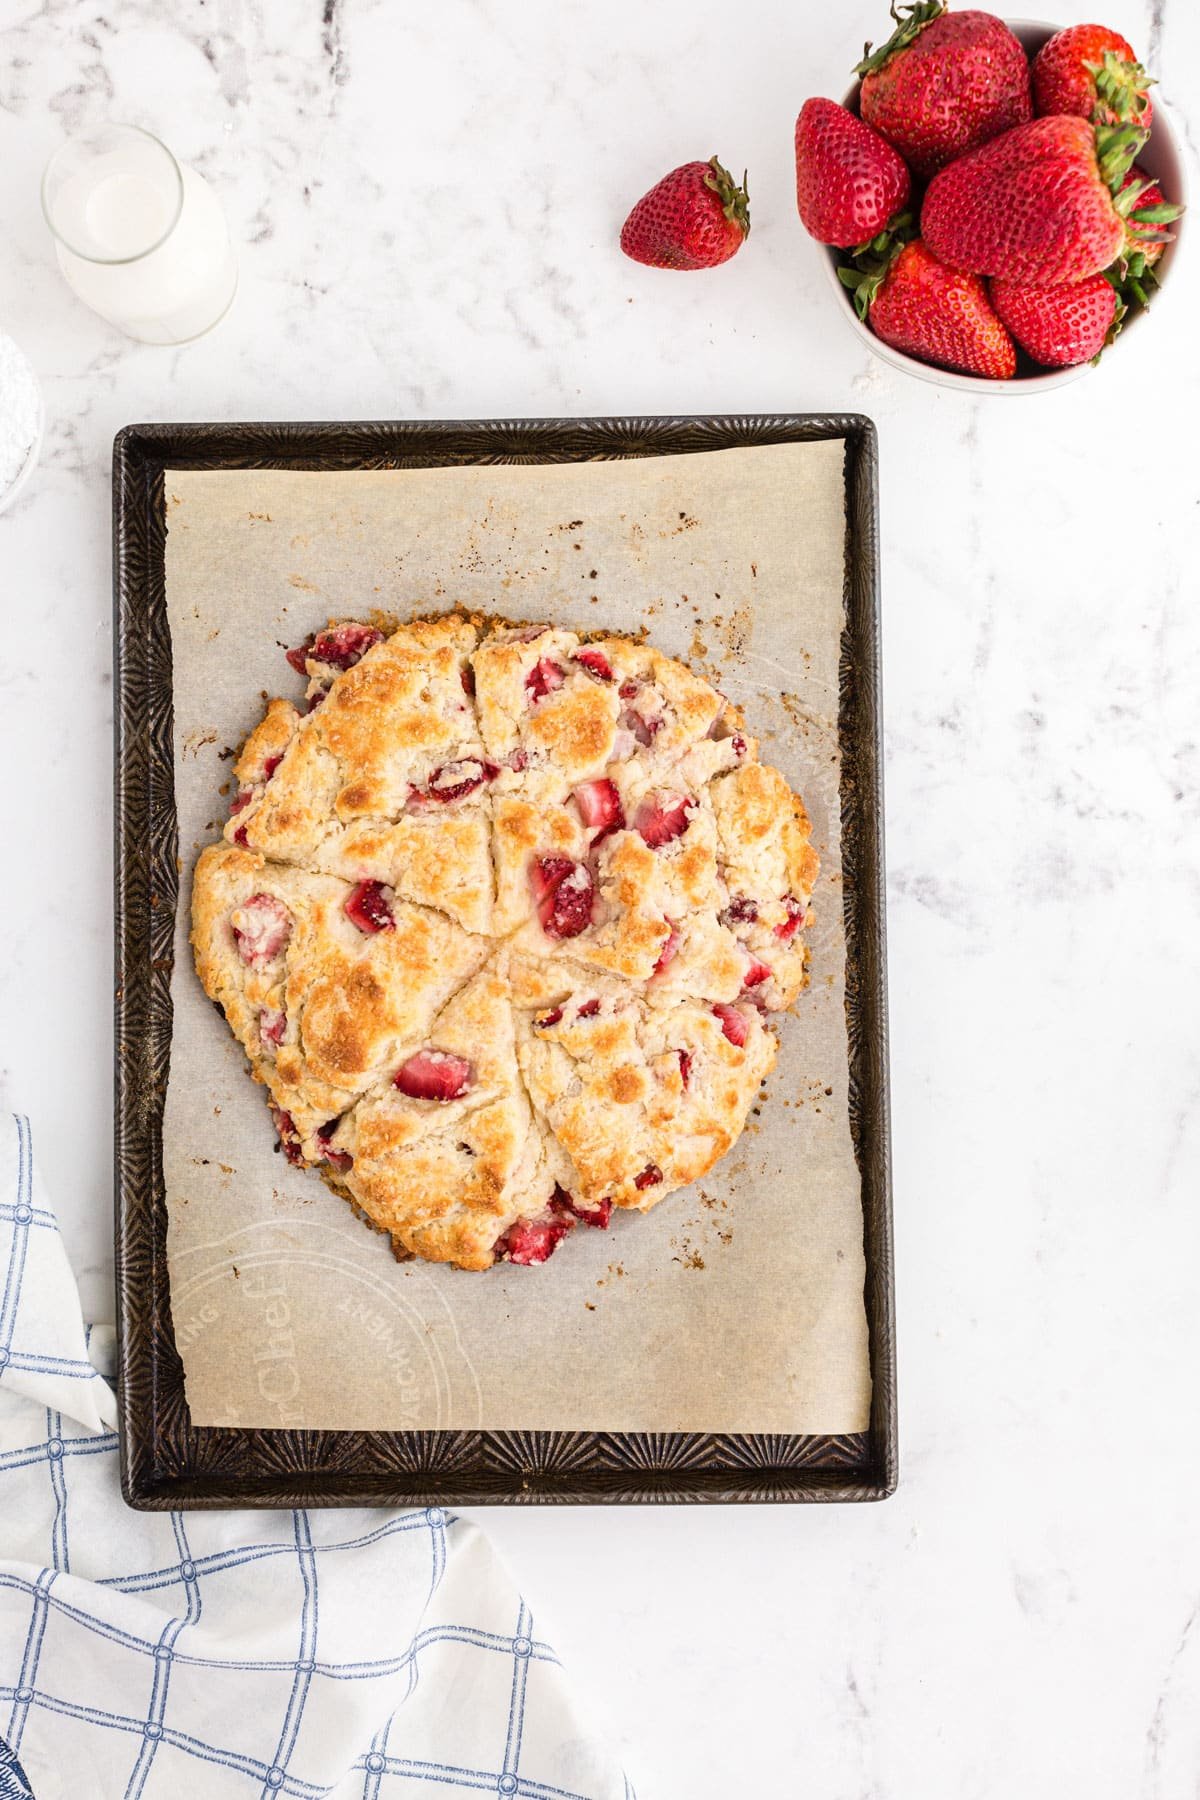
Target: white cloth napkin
pixel 379 1655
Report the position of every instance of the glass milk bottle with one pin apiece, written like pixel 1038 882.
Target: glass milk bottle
pixel 141 240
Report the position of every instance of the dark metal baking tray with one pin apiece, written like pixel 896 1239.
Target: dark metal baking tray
pixel 165 1460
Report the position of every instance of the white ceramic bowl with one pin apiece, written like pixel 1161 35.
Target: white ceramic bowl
pixel 1160 158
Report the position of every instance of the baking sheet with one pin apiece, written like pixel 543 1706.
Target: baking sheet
pixel 736 1305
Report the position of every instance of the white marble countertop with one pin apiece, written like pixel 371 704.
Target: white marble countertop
pixel 427 202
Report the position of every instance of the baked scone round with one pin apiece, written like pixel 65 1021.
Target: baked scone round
pixel 497 921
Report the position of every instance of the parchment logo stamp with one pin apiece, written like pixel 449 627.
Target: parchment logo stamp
pixel 275 1355
pixel 284 1325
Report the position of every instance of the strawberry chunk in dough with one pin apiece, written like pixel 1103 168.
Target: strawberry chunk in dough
pixel 531 1241
pixel 262 928
pixel 542 679
pixel 369 908
pixel 434 1075
pixel 599 805
pixel 662 819
pixel 734 1024
pixel 564 891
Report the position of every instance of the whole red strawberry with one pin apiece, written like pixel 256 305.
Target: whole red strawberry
pixel 944 83
pixel 695 218
pixel 939 315
pixel 849 181
pixel 1059 326
pixel 1092 72
pixel 1036 205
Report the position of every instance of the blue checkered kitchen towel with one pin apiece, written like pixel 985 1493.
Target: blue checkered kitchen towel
pixel 383 1656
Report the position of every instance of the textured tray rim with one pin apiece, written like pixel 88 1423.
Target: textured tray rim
pixel 165 1461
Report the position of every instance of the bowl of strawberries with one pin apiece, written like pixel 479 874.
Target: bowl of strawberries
pixel 997 200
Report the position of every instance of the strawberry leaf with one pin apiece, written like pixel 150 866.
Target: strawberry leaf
pixel 1130 194
pixel 1117 149
pixel 1120 88
pixel 910 21
pixel 1135 282
pixel 897 230
pixel 1157 215
pixel 865 269
pixel 735 200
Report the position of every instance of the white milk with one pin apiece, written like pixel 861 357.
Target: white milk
pixel 141 240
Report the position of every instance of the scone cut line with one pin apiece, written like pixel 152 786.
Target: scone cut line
pixel 498 918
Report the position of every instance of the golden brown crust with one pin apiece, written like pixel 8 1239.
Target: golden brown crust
pixel 610 1085
pixel 445 1178
pixel 347 1000
pixel 482 1064
pixel 347 796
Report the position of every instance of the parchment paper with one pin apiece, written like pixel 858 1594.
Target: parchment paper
pixel 737 1304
